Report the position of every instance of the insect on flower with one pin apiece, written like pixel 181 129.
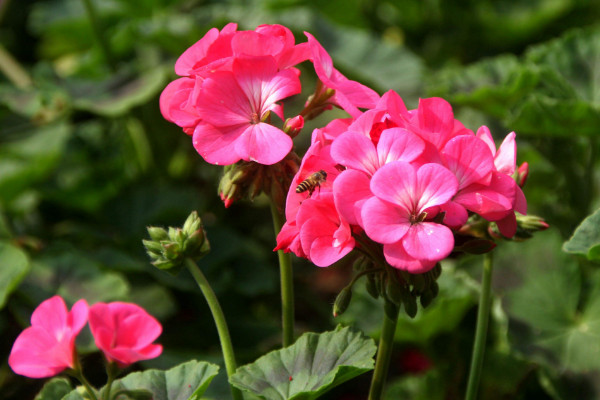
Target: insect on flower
pixel 313 181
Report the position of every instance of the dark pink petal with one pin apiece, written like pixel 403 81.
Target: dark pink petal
pixel 185 64
pixel 175 104
pixel 428 241
pixel 488 203
pixel 250 43
pixel 51 315
pixel 398 144
pixel 364 123
pixel 397 257
pixel 384 222
pixel 436 120
pixel 508 225
pixel 317 237
pixel 456 215
pixel 263 143
pixel 351 189
pixel 78 316
pixel 395 107
pixel 469 159
pixel 223 102
pixel 288 240
pixel 355 151
pixel 217 146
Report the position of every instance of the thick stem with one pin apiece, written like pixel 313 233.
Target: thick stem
pixel 99 34
pixel 287 283
pixel 77 373
pixel 483 314
pixel 217 313
pixel 112 370
pixel 384 353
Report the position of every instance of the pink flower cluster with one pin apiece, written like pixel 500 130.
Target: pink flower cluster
pixel 123 331
pixel 406 178
pixel 232 80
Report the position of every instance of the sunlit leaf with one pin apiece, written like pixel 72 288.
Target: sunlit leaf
pixel 310 367
pixel 586 238
pixel 14 266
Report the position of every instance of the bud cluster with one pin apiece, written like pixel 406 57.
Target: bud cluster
pixel 168 249
pixel 248 179
pixel 395 286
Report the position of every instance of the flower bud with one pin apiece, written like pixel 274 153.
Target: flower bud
pixel 410 304
pixel 169 252
pixel 342 301
pixel 394 292
pixel 293 126
pixel 522 174
pixel 476 246
pixel 371 285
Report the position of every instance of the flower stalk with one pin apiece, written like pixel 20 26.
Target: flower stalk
pixel 384 351
pixel 219 317
pixel 483 314
pixel 287 283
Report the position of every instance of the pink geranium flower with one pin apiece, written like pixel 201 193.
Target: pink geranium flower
pixel 233 106
pixel 397 216
pixel 124 332
pixel 47 347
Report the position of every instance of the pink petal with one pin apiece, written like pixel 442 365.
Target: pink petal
pixel 397 257
pixel 456 215
pixel 398 144
pixel 488 203
pixel 506 157
pixel 355 151
pixel 508 225
pixel 217 146
pixel 318 242
pixel 436 120
pixel 469 159
pixel 185 64
pixel 436 185
pixel 428 241
pixel 223 102
pixel 351 189
pixel 78 316
pixel 395 182
pixel 175 102
pixel 264 144
pixel 51 315
pixel 485 135
pixel 395 107
pixel 384 222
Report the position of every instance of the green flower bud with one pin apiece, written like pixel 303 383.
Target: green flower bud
pixel 410 303
pixel 156 233
pixel 371 285
pixel 394 292
pixel 342 301
pixel 391 310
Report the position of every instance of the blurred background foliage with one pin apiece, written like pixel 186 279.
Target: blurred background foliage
pixel 87 162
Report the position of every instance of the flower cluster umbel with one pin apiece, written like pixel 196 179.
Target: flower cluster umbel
pixel 124 332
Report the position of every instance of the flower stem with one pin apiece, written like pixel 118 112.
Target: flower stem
pixel 217 313
pixel 111 372
pixel 483 314
pixel 14 71
pixel 287 283
pixel 384 353
pixel 100 38
pixel 77 373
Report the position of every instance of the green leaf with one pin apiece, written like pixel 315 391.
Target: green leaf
pixel 310 367
pixel 185 381
pixel 428 386
pixel 14 266
pixel 31 159
pixel 54 389
pixel 116 96
pixel 586 238
pixel 561 313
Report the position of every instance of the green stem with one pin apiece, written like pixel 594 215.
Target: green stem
pixel 112 371
pixel 384 353
pixel 99 34
pixel 77 373
pixel 217 313
pixel 483 314
pixel 287 283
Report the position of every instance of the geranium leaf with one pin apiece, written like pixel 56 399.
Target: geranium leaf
pixel 310 367
pixel 54 389
pixel 14 265
pixel 586 238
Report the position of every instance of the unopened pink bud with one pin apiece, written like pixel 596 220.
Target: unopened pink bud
pixel 522 174
pixel 293 126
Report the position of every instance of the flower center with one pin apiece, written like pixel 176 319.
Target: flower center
pixel 415 219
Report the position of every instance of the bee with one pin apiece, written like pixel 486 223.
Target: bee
pixel 313 181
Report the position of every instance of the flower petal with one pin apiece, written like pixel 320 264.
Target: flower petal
pixel 428 241
pixel 263 143
pixel 384 222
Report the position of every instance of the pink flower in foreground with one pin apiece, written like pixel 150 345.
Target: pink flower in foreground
pixel 47 347
pixel 233 106
pixel 124 332
pixel 397 216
